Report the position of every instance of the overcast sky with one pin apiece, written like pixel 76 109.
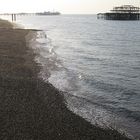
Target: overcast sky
pixel 63 6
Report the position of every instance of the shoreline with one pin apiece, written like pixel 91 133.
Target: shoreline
pixel 31 108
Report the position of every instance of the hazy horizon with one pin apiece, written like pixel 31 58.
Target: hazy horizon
pixel 65 7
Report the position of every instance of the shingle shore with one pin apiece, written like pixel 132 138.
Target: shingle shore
pixel 31 109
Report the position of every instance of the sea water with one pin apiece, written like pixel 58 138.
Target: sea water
pixel 97 65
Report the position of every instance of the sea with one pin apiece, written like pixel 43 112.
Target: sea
pixel 96 63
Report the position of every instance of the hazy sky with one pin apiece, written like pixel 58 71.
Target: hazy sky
pixel 64 6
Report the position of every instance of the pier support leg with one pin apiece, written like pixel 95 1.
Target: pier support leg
pixel 12 17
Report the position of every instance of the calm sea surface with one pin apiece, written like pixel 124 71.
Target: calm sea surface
pixel 97 64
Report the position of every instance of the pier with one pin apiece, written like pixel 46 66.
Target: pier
pixel 124 12
pixel 14 15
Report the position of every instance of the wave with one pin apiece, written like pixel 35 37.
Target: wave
pixel 45 55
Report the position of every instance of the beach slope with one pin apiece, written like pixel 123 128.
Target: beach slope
pixel 31 109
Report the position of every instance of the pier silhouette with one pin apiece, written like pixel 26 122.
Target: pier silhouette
pixel 15 15
pixel 124 12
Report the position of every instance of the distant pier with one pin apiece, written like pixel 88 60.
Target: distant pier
pixel 124 12
pixel 14 15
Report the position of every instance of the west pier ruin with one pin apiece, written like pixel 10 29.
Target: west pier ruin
pixel 124 12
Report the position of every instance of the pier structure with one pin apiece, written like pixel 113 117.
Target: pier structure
pixel 15 15
pixel 124 12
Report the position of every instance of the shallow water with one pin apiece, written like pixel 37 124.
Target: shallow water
pixel 97 64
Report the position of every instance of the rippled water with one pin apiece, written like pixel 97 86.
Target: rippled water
pixel 97 64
